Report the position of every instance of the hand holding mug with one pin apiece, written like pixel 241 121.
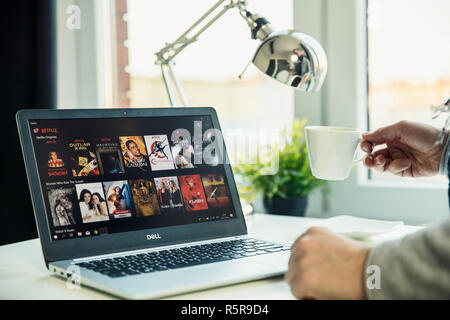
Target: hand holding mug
pixel 410 151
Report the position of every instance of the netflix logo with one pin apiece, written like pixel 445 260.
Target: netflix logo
pixel 48 130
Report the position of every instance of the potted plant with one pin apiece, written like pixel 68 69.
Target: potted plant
pixel 286 190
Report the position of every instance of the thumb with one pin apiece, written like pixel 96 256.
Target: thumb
pixel 382 135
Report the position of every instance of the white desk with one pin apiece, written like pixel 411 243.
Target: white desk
pixel 23 274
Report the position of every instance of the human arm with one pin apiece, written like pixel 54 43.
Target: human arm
pixel 324 265
pixel 416 266
pixel 411 149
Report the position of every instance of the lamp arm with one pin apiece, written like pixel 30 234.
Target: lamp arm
pixel 171 50
pixel 259 26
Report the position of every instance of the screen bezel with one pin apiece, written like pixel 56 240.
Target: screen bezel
pixel 129 240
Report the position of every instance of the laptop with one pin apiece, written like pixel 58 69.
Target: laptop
pixel 139 203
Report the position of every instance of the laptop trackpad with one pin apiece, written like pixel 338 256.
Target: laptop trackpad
pixel 197 278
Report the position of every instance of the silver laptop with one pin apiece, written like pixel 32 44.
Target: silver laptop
pixel 139 203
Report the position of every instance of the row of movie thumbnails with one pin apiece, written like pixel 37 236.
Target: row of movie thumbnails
pixel 106 201
pixel 108 157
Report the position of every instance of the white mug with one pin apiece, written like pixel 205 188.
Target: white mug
pixel 332 151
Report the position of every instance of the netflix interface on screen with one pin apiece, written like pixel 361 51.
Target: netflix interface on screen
pixel 112 175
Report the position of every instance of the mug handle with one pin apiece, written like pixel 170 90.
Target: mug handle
pixel 356 161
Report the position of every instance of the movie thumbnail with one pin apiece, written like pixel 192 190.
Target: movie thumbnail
pixel 56 166
pixel 118 197
pixel 193 194
pixel 216 191
pixel 160 155
pixel 169 195
pixel 144 197
pixel 55 160
pixel 91 201
pixel 183 154
pixel 134 154
pixel 109 155
pixel 61 206
pixel 83 159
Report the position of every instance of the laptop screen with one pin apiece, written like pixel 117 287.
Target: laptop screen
pixel 114 175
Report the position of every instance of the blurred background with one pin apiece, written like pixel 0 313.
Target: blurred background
pixel 388 61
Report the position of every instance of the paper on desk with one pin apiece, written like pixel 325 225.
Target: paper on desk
pixel 357 227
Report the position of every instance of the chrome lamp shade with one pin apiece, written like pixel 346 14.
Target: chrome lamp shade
pixel 292 58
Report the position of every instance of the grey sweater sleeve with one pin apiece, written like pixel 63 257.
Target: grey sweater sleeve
pixel 414 267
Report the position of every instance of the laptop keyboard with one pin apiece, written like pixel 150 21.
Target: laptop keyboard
pixel 181 257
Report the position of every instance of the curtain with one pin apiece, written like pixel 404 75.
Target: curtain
pixel 28 80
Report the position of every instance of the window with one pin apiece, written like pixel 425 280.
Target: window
pixel 108 59
pixel 91 54
pixel 345 100
pixel 208 69
pixel 408 62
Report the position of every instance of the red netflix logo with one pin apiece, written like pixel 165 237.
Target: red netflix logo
pixel 49 130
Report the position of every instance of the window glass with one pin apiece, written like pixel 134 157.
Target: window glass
pixel 408 62
pixel 208 69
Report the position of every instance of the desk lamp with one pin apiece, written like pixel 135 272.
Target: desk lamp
pixel 289 56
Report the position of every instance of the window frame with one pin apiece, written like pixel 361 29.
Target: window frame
pixel 86 59
pixel 341 27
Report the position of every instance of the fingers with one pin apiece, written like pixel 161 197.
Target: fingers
pixel 308 254
pixel 381 163
pixel 382 159
pixel 378 160
pixel 399 166
pixel 304 245
pixel 366 146
pixel 375 160
pixel 392 160
pixel 314 230
pixel 295 276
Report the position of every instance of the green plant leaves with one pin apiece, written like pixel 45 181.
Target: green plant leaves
pixel 293 178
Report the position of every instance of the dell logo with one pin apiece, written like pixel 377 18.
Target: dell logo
pixel 153 236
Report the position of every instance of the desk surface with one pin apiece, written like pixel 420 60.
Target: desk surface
pixel 23 274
